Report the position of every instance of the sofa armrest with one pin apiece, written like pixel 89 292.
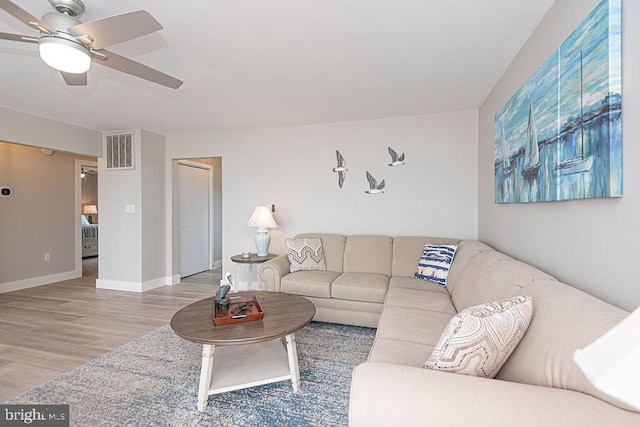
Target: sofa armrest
pixel 384 394
pixel 272 271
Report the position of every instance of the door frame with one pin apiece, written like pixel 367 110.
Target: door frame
pixel 209 168
pixel 78 163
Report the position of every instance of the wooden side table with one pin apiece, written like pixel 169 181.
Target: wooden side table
pixel 253 259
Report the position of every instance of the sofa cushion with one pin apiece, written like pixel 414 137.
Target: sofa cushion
pixel 502 280
pixel 420 299
pixel 389 350
pixel 309 283
pixel 417 284
pixel 478 340
pixel 360 287
pixel 407 251
pixel 474 270
pixel 368 254
pixel 435 262
pixel 412 325
pixel 467 250
pixel 566 319
pixel 305 254
pixel 333 248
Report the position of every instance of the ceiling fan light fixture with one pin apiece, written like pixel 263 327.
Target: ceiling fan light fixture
pixel 64 55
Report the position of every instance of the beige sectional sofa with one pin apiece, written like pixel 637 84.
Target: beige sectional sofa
pixel 370 282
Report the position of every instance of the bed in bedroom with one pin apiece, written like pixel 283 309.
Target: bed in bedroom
pixel 89 239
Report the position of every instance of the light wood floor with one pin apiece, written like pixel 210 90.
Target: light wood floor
pixel 50 329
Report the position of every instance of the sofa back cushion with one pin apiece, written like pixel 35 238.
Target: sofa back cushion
pixel 408 250
pixel 333 247
pixel 368 254
pixel 500 280
pixel 467 249
pixel 565 319
pixel 468 277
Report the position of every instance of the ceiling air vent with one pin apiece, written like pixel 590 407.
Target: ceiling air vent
pixel 118 150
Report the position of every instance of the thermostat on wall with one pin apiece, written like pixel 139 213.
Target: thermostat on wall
pixel 5 191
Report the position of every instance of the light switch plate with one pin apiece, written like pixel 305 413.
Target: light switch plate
pixel 129 208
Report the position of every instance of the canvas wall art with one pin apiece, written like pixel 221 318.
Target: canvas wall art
pixel 559 137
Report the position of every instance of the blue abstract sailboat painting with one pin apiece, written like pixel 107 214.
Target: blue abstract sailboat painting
pixel 559 137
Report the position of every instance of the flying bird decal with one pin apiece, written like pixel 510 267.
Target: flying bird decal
pixel 341 169
pixel 374 187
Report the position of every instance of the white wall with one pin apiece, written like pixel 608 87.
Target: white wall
pixel 153 203
pixel 133 245
pixel 435 193
pixel 22 128
pixel 120 242
pixel 590 244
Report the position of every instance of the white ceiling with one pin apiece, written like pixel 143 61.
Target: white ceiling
pixel 257 63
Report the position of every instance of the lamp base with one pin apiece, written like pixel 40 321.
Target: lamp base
pixel 262 244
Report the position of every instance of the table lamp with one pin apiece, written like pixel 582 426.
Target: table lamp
pixel 262 219
pixel 90 210
pixel 611 363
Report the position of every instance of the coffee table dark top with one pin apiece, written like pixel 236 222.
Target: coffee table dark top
pixel 284 314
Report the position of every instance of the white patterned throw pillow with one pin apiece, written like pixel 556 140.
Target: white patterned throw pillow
pixel 435 263
pixel 480 339
pixel 305 254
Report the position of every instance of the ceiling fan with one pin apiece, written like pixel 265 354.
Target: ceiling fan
pixel 70 46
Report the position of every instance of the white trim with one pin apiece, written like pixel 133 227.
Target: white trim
pixel 116 285
pixel 38 281
pixel 175 279
pixel 216 264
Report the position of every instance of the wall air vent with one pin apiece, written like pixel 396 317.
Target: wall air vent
pixel 118 150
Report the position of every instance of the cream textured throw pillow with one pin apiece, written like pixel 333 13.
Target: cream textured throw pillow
pixel 305 254
pixel 480 339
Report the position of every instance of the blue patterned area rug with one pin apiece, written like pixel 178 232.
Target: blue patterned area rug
pixel 153 380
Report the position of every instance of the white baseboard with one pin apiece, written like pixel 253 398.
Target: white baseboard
pixel 175 279
pixel 116 285
pixel 216 264
pixel 38 281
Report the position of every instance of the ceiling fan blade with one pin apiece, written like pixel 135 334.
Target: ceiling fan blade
pixel 18 38
pixel 118 28
pixel 24 16
pixel 74 79
pixel 137 69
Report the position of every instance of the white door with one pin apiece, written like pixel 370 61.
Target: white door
pixel 193 185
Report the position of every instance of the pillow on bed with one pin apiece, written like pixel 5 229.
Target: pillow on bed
pixel 83 220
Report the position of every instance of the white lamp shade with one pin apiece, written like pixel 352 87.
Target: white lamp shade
pixel 64 55
pixel 90 210
pixel 262 219
pixel 612 362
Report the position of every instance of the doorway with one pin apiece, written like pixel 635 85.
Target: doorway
pixel 86 194
pixel 195 213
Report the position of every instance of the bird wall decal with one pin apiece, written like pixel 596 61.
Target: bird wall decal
pixel 395 159
pixel 374 187
pixel 341 169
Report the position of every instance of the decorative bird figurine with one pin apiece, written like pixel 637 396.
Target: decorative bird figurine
pixel 223 290
pixel 395 160
pixel 374 187
pixel 341 169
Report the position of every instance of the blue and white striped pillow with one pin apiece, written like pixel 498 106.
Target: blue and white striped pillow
pixel 435 263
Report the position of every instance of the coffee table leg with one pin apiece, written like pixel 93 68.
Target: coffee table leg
pixel 205 376
pixel 293 361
